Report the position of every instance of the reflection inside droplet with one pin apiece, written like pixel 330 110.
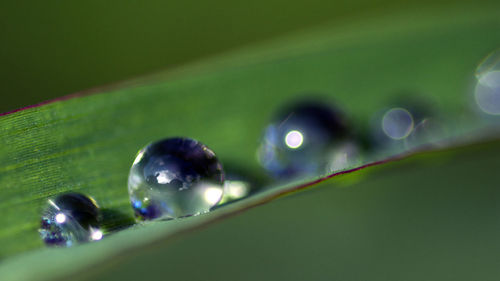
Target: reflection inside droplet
pixel 212 195
pixel 96 234
pixel 397 123
pixel 139 156
pixel 294 139
pixel 60 218
pixel 236 189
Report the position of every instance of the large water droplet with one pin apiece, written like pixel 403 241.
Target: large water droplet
pixel 174 178
pixel 70 219
pixel 487 91
pixel 299 140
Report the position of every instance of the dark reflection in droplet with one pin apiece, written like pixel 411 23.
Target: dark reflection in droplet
pixel 301 138
pixel 69 219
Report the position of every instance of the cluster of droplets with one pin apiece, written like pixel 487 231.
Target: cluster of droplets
pixel 312 138
pixel 181 177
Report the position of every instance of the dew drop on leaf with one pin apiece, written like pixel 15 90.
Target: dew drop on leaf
pixel 174 178
pixel 302 140
pixel 70 219
pixel 408 124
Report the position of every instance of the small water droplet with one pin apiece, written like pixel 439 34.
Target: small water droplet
pixel 70 219
pixel 174 178
pixel 403 126
pixel 487 91
pixel 299 139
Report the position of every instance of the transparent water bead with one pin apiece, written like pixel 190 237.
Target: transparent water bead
pixel 70 219
pixel 174 178
pixel 404 125
pixel 487 91
pixel 299 140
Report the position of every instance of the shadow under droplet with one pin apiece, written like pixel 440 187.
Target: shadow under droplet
pixel 114 220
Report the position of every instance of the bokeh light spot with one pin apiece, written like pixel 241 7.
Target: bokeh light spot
pixel 294 139
pixel 397 123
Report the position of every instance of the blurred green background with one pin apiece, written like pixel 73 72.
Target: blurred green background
pixel 50 49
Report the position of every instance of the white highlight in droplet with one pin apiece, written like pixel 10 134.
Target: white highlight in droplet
pixel 96 234
pixel 212 195
pixel 294 139
pixel 60 218
pixel 139 156
pixel 164 177
pixel 236 189
pixel 53 204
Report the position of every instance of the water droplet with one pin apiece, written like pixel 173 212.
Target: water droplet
pixel 174 178
pixel 394 129
pixel 70 219
pixel 299 139
pixel 487 91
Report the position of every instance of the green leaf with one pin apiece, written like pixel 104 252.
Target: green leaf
pixel 87 144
